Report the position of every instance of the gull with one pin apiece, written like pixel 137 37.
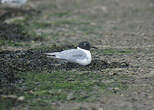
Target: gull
pixel 81 55
pixel 13 3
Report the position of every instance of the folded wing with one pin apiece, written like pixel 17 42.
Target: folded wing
pixel 70 55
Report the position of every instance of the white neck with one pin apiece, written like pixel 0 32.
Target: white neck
pixel 82 49
pixel 88 59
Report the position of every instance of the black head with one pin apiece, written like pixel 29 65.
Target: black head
pixel 84 45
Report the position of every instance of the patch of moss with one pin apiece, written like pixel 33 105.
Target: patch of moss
pixel 81 108
pixel 5 104
pixel 60 14
pixel 69 22
pixel 29 27
pixel 1 42
pixel 115 51
pixel 68 86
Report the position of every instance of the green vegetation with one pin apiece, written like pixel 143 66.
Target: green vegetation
pixel 17 44
pixel 5 104
pixel 42 89
pixel 81 108
pixel 60 14
pixel 111 51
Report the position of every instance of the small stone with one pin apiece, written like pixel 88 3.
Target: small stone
pixel 70 96
pixel 100 109
pixel 21 98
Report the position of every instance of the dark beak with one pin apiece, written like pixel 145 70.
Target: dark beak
pixel 94 47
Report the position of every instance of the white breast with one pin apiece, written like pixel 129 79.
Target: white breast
pixel 87 60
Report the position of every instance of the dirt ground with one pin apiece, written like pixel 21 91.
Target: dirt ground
pixel 122 31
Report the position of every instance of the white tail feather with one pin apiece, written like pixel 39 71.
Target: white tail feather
pixel 52 55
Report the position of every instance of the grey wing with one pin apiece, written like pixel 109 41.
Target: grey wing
pixel 72 54
pixel 16 1
pixel 9 1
